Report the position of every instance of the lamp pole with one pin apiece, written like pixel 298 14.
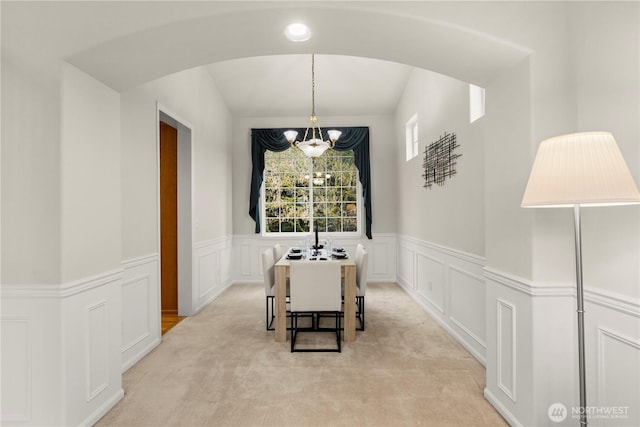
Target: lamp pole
pixel 580 311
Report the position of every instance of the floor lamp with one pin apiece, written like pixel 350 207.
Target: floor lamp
pixel 580 169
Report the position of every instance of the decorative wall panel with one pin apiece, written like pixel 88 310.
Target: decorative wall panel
pixel 16 369
pixel 135 311
pixel 430 280
pixel 97 350
pixel 506 348
pixel 140 308
pixel 618 371
pixel 467 290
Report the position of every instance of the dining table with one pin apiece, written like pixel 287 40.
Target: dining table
pixel 281 271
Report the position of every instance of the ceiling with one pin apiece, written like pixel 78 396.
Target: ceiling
pixel 280 85
pixel 365 50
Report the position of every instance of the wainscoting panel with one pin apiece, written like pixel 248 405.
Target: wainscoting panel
pixel 31 368
pixel 206 267
pixel 506 351
pixel 61 348
pixel 449 285
pixel 467 290
pixel 92 345
pixel 141 323
pixel 406 266
pixel 212 275
pixel 430 280
pixel 612 343
pixel 532 350
pixel 97 342
pixel 618 371
pixel 135 316
pixel 17 365
pixel 244 258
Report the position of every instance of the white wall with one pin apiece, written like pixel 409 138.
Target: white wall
pixel 453 214
pixel 90 176
pixel 608 98
pixel 508 227
pixel 30 175
pixel 193 96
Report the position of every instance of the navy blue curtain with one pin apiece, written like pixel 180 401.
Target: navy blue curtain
pixel 352 138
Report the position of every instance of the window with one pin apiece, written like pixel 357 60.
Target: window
pixel 411 137
pixel 476 103
pixel 298 194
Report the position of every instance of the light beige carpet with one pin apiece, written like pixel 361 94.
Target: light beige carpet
pixel 221 368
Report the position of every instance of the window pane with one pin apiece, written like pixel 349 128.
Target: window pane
pixel 333 224
pixel 349 194
pixel 288 178
pixel 320 210
pixel 302 226
pixel 287 225
pixel 273 225
pixel 349 209
pixel 301 210
pixel 350 224
pixel 334 210
pixel 272 210
pixel 302 195
pixel 321 224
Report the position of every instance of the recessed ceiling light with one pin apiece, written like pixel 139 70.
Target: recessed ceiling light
pixel 297 32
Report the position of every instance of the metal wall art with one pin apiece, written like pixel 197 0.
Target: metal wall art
pixel 440 160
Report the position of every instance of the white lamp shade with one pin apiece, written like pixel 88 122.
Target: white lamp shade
pixel 334 135
pixel 313 147
pixel 291 135
pixel 585 169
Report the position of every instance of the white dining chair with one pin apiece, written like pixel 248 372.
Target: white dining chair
pixel 278 252
pixel 315 289
pixel 362 259
pixel 269 286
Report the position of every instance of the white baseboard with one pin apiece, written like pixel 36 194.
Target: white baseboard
pixel 508 416
pixel 103 409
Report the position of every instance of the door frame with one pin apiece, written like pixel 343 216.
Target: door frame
pixel 186 293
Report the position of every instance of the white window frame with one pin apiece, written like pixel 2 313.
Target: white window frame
pixel 290 234
pixel 476 103
pixel 411 137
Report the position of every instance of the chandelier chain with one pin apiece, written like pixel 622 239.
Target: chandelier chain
pixel 313 85
pixel 316 145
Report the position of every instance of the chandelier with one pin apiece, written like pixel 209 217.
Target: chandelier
pixel 315 145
